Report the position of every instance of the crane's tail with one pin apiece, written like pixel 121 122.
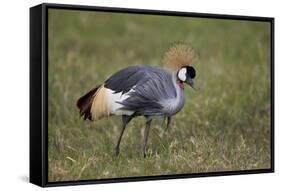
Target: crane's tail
pixel 85 102
pixel 94 105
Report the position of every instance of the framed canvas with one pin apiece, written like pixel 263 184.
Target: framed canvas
pixel 131 95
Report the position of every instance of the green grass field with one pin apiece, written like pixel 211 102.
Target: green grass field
pixel 225 124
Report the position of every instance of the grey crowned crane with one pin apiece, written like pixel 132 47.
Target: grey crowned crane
pixel 142 91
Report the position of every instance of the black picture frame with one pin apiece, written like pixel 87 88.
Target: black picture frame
pixel 39 92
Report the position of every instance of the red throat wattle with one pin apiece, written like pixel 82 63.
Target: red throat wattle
pixel 181 85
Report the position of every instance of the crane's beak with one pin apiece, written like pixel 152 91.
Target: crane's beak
pixel 190 82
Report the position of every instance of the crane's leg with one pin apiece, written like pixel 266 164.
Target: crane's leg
pixel 125 120
pixel 169 120
pixel 146 133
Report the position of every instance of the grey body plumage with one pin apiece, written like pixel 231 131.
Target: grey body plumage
pixel 154 90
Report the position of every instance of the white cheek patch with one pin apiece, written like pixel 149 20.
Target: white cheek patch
pixel 182 74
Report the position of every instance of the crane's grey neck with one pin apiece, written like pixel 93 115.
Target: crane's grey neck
pixel 179 91
pixel 175 104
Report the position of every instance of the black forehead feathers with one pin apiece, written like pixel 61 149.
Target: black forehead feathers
pixel 190 71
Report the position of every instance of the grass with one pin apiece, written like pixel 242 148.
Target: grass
pixel 225 124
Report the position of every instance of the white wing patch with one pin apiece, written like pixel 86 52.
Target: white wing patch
pixel 182 74
pixel 113 98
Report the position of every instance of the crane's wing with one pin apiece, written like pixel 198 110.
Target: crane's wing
pixel 148 93
pixel 125 79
